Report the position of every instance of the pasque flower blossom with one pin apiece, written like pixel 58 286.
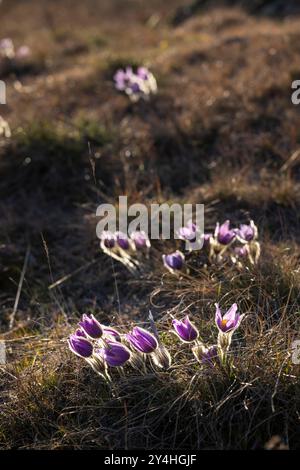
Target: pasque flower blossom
pixel 206 239
pixel 80 346
pixel 143 73
pixel 80 332
pixel 189 232
pixel 111 333
pixel 123 78
pixel 174 261
pixel 227 324
pixel 140 240
pixel 193 236
pixel 247 233
pixel 223 234
pixel 136 85
pixel 230 321
pixel 123 241
pixel 114 354
pixel 91 326
pixel 108 240
pixel 205 355
pixel 185 330
pixel 241 251
pixel 142 340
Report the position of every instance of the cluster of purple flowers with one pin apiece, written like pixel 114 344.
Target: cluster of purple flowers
pixel 237 244
pixel 139 84
pixel 8 50
pixel 104 347
pixel 128 250
pixel 226 324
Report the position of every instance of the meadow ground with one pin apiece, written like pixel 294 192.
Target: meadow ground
pixel 222 131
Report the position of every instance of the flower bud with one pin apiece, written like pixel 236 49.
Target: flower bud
pixel 186 331
pixel 80 346
pixel 224 234
pixel 122 240
pixel 142 340
pixel 91 326
pixel 140 240
pixel 174 261
pixel 114 354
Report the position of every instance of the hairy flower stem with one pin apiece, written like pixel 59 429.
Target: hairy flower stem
pixel 99 367
pixel 138 362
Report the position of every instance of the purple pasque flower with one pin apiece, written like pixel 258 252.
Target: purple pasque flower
pixel 143 73
pixel 230 321
pixel 91 326
pixel 114 354
pixel 142 340
pixel 79 332
pixel 148 79
pixel 247 233
pixel 126 80
pixel 122 78
pixel 209 354
pixel 122 240
pixel 224 234
pixel 140 240
pixel 80 346
pixel 134 88
pixel 185 329
pixel 204 354
pixel 135 85
pixel 111 333
pixel 206 239
pixel 189 232
pixel 108 240
pixel 241 251
pixel 174 261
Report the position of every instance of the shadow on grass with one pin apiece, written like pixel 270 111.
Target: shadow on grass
pixel 273 8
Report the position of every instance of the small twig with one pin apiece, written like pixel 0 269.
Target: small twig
pixel 12 317
pixel 291 161
pixel 69 276
pixel 153 326
pixel 277 384
pixel 92 162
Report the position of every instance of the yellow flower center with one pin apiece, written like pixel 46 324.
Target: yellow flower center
pixel 224 323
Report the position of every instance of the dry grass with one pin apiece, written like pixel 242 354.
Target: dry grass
pixel 221 131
